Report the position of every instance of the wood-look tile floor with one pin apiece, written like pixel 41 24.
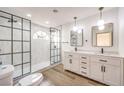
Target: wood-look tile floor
pixel 56 76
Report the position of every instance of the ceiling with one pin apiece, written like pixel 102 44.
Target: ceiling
pixel 42 14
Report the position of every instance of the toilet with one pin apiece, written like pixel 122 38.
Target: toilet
pixel 31 80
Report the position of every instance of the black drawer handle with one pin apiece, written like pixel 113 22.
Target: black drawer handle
pixel 83 72
pixel 70 55
pixel 103 60
pixel 83 57
pixel 84 67
pixel 84 62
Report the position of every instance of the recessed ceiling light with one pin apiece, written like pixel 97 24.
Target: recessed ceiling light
pixel 29 15
pixel 47 22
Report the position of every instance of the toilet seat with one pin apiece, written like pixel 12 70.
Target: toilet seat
pixel 31 80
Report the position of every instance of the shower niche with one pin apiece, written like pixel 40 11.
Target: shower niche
pixel 15 43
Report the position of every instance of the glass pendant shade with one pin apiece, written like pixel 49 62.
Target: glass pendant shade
pixel 75 28
pixel 101 22
pixel 101 27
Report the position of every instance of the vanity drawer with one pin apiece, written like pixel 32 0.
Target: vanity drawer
pixel 68 55
pixel 82 68
pixel 84 58
pixel 71 55
pixel 84 64
pixel 99 59
pixel 115 61
pixel 83 72
pixel 106 60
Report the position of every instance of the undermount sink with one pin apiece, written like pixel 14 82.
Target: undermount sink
pixel 6 74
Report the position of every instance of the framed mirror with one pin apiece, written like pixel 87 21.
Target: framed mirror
pixel 102 38
pixel 76 38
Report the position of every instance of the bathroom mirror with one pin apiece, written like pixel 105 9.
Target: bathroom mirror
pixel 102 38
pixel 76 38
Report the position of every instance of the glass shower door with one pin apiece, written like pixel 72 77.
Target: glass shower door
pixel 15 43
pixel 55 45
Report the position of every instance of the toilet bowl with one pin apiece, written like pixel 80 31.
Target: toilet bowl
pixel 31 80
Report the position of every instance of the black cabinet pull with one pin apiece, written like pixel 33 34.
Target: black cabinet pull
pixel 104 69
pixel 84 62
pixel 83 72
pixel 103 60
pixel 84 67
pixel 70 55
pixel 84 57
pixel 101 68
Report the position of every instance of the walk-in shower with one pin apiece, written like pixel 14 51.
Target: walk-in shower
pixel 15 42
pixel 19 48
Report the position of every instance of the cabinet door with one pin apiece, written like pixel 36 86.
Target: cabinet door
pixel 96 71
pixel 75 65
pixel 67 63
pixel 112 75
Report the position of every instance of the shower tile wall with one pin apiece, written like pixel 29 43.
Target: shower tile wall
pixel 40 49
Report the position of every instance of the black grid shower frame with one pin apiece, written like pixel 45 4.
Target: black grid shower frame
pixel 21 41
pixel 55 49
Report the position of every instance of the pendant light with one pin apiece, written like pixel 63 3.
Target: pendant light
pixel 75 28
pixel 100 22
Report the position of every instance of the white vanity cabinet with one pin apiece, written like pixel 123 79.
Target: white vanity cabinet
pixel 77 63
pixel 106 69
pixel 71 62
pixel 96 71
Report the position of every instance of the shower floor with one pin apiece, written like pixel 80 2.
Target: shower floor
pixel 40 66
pixel 34 68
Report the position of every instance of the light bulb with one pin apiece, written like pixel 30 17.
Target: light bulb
pixel 47 22
pixel 75 28
pixel 101 27
pixel 79 30
pixel 29 15
pixel 100 22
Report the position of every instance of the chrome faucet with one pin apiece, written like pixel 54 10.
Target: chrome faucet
pixel 75 49
pixel 102 50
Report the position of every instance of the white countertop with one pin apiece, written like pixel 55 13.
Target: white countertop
pixel 96 53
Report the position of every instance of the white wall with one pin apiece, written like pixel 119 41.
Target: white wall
pixel 40 47
pixel 110 16
pixel 121 31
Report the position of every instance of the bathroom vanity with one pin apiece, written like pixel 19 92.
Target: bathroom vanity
pixel 105 68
